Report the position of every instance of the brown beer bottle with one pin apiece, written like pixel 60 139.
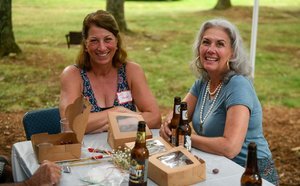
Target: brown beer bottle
pixel 138 171
pixel 175 120
pixel 184 130
pixel 251 175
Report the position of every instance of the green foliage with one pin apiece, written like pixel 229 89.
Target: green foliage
pixel 161 40
pixel 152 0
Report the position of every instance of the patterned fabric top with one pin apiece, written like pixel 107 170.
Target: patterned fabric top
pixel 122 86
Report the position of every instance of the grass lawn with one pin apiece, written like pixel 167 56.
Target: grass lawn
pixel 163 33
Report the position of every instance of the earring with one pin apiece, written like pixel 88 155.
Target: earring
pixel 198 64
pixel 227 63
pixel 197 61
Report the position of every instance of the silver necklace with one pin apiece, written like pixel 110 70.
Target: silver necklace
pixel 202 119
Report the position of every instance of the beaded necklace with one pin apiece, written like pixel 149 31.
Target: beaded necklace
pixel 211 106
pixel 214 92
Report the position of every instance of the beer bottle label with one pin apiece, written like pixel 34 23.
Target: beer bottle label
pixel 188 142
pixel 184 115
pixel 177 109
pixel 138 171
pixel 141 137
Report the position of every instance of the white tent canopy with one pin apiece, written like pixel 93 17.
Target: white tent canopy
pixel 254 34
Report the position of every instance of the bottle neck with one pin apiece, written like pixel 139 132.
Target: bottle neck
pixel 176 110
pixel 141 138
pixel 176 107
pixel 252 161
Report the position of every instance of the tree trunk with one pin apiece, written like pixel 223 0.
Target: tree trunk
pixel 116 8
pixel 7 39
pixel 223 4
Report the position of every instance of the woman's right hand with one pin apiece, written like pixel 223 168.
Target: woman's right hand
pixel 164 130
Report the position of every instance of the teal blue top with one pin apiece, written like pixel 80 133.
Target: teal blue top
pixel 238 90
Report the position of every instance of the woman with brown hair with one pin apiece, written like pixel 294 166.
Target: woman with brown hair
pixel 105 76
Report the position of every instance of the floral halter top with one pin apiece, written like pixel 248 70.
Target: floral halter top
pixel 122 88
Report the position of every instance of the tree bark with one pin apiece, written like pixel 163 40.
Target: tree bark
pixel 7 39
pixel 116 8
pixel 222 5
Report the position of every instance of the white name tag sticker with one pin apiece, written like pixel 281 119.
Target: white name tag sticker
pixel 124 96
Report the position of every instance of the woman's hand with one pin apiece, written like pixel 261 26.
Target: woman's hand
pixel 165 131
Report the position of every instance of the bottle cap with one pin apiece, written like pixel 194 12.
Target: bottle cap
pixel 177 99
pixel 183 105
pixel 252 146
pixel 142 124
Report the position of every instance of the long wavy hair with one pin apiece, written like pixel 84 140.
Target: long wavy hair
pixel 102 19
pixel 238 64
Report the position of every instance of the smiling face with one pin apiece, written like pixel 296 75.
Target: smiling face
pixel 101 45
pixel 215 50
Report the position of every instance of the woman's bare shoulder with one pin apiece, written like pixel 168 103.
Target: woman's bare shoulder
pixel 135 74
pixel 70 72
pixel 71 69
pixel 132 67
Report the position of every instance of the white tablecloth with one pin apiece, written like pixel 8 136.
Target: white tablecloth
pixel 24 164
